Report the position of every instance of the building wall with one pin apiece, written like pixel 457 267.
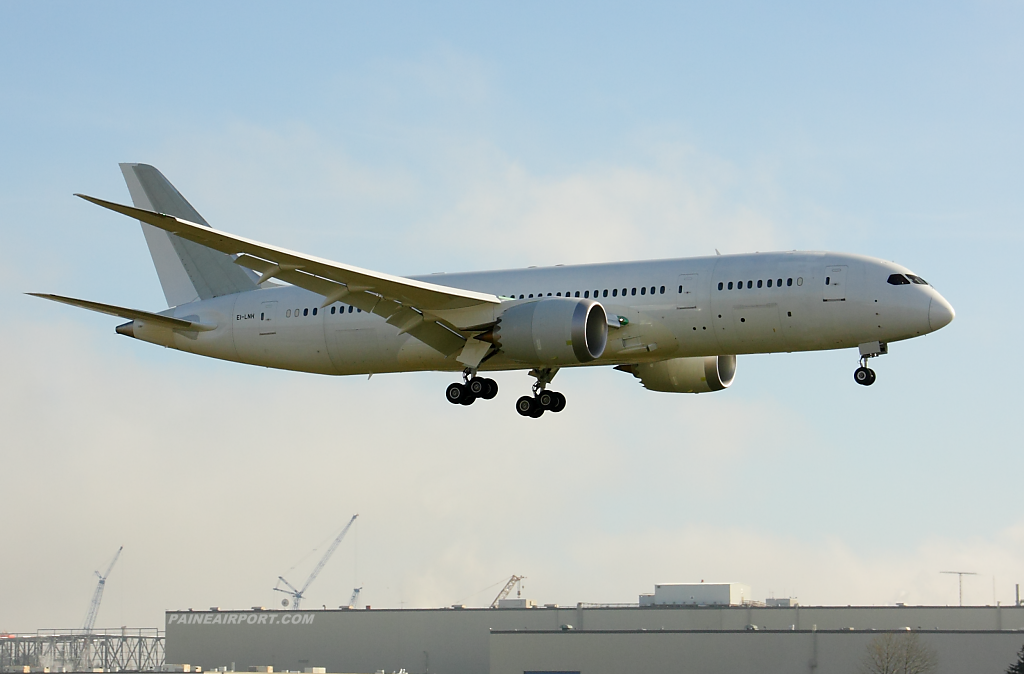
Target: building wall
pixel 455 641
pixel 721 652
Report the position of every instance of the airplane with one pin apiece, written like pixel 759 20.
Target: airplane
pixel 677 325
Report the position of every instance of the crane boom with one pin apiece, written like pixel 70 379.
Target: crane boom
pixel 97 596
pixel 508 588
pixel 297 595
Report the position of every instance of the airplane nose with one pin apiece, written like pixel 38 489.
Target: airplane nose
pixel 940 313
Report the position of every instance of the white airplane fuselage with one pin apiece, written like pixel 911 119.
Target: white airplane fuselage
pixel 706 306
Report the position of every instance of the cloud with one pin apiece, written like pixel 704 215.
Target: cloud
pixel 473 205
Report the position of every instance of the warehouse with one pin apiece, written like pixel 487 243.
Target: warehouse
pixel 552 638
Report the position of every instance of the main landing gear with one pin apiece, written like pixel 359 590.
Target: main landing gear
pixel 473 387
pixel 542 400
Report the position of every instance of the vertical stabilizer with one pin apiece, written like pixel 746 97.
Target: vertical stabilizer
pixel 187 271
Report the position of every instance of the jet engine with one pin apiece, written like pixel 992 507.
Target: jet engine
pixel 553 331
pixel 699 374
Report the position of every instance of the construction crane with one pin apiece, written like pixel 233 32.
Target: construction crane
pixel 97 596
pixel 512 582
pixel 297 595
pixel 960 576
pixel 355 597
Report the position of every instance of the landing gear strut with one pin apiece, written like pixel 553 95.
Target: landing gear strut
pixel 473 387
pixel 864 375
pixel 542 400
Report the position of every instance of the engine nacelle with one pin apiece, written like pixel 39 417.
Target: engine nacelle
pixel 553 331
pixel 699 374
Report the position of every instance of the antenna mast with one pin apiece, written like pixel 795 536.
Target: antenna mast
pixel 960 576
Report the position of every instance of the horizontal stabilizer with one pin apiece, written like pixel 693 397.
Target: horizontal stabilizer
pixel 132 314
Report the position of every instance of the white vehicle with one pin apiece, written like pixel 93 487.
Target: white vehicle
pixel 677 325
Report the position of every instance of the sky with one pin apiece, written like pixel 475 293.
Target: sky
pixel 412 138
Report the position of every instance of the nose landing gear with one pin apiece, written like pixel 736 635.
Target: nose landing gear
pixel 864 375
pixel 542 400
pixel 473 387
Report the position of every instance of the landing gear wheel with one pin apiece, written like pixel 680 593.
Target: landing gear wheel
pixel 477 386
pixel 551 401
pixel 491 390
pixel 864 376
pixel 458 394
pixel 528 407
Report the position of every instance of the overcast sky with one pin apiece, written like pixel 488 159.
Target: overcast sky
pixel 413 138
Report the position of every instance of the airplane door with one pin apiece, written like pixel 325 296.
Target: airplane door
pixel 687 291
pixel 268 312
pixel 835 283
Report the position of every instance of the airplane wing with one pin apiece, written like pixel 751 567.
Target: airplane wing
pixel 132 314
pixel 404 303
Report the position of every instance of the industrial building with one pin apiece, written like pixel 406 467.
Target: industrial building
pixel 678 628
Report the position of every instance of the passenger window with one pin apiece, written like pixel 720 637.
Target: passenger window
pixel 596 293
pixel 531 295
pixel 769 283
pixel 577 293
pixel 549 294
pixel 305 312
pixel 359 310
pixel 643 291
pixel 789 282
pixel 558 294
pixel 750 284
pixel 758 283
pixel 779 283
pixel 314 311
pixel 615 292
pixel 262 316
pixel 586 293
pixel 634 291
pixel 719 286
pixel 288 313
pixel 917 280
pixel 662 290
pixel 605 293
pixel 730 285
pixel 520 296
pixel 799 280
pixel 827 279
pixel 332 309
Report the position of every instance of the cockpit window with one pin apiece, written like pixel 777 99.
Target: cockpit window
pixel 898 280
pixel 917 280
